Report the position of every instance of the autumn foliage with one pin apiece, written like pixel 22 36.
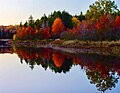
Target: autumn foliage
pixel 58 26
pixel 75 21
pixel 28 33
pixel 117 23
pixel 105 23
pixel 58 59
pixel 100 63
pixel 105 27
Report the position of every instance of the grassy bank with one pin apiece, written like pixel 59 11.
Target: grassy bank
pixel 76 46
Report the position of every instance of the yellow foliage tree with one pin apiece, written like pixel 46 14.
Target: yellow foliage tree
pixel 75 21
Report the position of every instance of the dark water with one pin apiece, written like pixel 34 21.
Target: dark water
pixel 41 70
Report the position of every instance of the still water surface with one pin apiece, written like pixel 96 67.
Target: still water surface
pixel 32 70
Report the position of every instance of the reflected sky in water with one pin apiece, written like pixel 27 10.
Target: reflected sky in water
pixel 19 78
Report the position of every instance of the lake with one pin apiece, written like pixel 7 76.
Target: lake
pixel 44 70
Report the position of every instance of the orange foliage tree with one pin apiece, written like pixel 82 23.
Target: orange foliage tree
pixel 58 26
pixel 58 59
pixel 25 33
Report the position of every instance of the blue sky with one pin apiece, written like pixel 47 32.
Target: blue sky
pixel 15 11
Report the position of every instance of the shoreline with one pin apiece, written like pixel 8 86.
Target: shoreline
pixel 110 48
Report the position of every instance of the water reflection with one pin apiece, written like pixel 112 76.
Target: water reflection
pixel 47 58
pixel 102 71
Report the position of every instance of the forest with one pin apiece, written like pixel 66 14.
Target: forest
pixel 101 22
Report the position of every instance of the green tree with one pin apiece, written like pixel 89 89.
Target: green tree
pixel 31 21
pixel 101 7
pixel 44 20
pixel 53 16
pixel 81 16
pixel 65 16
pixel 38 23
pixel 67 19
pixel 20 24
pixel 26 24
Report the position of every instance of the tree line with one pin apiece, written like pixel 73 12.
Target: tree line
pixel 7 32
pixel 101 22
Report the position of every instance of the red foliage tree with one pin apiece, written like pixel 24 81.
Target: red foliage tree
pixel 46 33
pixel 117 23
pixel 105 26
pixel 25 32
pixel 105 22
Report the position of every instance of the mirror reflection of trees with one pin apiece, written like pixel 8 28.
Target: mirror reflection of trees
pixel 103 71
pixel 102 83
pixel 47 58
